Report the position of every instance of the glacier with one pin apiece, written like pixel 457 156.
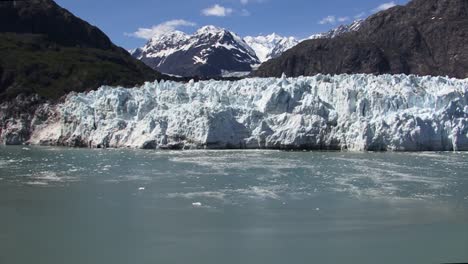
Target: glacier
pixel 344 112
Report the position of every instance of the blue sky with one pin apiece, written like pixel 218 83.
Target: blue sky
pixel 128 23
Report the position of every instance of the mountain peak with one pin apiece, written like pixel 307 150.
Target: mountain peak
pixel 60 26
pixel 209 29
pixel 270 46
pixel 170 34
pixel 210 51
pixel 169 37
pixel 43 46
pixel 273 36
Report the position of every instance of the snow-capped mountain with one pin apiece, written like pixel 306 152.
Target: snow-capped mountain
pixel 273 45
pixel 212 51
pixel 339 30
pixel 209 52
pixel 270 46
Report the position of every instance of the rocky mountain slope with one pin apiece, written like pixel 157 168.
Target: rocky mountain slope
pixel 270 46
pixel 46 50
pixel 209 52
pixel 354 112
pixel 425 37
pixel 340 30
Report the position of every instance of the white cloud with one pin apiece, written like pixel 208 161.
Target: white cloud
pixel 328 20
pixel 217 10
pixel 343 19
pixel 245 12
pixel 334 19
pixel 245 2
pixel 168 26
pixel 384 6
pixel 360 15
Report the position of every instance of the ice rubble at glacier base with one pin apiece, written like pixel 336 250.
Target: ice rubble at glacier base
pixel 343 112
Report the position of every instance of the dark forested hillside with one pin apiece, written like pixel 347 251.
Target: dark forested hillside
pixel 45 49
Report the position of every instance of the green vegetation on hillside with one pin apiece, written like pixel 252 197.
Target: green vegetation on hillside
pixel 32 64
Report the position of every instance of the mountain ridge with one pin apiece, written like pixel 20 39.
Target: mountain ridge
pixel 46 50
pixel 425 37
pixel 175 52
pixel 340 30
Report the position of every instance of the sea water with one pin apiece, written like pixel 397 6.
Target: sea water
pixel 61 205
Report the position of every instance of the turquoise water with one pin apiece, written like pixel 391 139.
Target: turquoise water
pixel 61 205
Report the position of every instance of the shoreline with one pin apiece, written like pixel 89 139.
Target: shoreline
pixel 292 150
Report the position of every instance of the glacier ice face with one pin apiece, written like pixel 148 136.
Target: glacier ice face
pixel 354 112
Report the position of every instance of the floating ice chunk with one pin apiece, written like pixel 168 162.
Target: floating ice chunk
pixel 197 204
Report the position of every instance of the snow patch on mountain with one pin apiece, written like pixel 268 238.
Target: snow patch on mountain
pixel 270 46
pixel 353 112
pixel 342 29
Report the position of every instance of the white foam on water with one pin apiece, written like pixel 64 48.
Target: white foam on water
pixel 390 180
pixel 262 192
pixel 273 166
pixel 37 183
pixel 234 195
pixel 192 195
pixel 50 177
pixel 8 162
pixel 359 175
